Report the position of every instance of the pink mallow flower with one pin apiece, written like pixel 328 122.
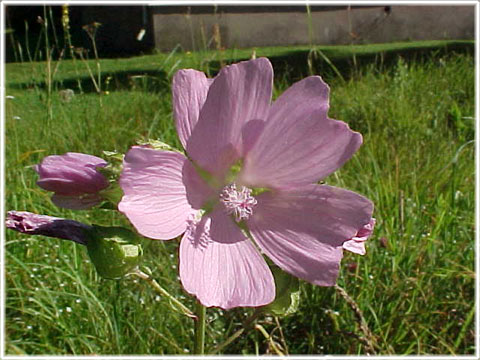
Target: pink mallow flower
pixel 251 173
pixel 74 179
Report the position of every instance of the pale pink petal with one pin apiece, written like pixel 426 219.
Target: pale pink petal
pixel 221 272
pixel 357 243
pixel 240 93
pixel 299 144
pixel 222 227
pixel 250 134
pixel 357 247
pixel 303 230
pixel 156 186
pixel 189 88
pixel 81 202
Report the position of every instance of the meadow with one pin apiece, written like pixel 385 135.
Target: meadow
pixel 413 293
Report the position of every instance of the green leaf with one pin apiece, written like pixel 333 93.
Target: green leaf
pixel 114 251
pixel 287 293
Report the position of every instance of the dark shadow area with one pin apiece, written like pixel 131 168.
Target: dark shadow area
pixel 117 34
pixel 292 66
pixel 143 80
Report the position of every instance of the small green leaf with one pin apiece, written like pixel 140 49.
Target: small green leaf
pixel 287 293
pixel 114 251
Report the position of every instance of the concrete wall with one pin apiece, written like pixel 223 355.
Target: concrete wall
pixel 340 26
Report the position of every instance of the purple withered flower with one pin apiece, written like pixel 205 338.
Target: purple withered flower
pixel 74 179
pixel 34 224
pixel 114 251
pixel 251 174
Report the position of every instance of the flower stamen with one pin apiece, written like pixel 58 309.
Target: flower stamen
pixel 240 204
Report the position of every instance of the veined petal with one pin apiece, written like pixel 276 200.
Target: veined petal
pixel 299 144
pixel 156 186
pixel 303 230
pixel 221 272
pixel 240 93
pixel 189 88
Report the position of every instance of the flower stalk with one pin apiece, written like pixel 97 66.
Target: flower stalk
pixel 269 339
pixel 199 341
pixel 154 284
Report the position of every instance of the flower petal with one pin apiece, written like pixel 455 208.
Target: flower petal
pixel 356 247
pixel 156 186
pixel 240 93
pixel 222 272
pixel 357 243
pixel 299 144
pixel 189 88
pixel 303 230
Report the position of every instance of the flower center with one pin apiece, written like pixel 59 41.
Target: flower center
pixel 240 203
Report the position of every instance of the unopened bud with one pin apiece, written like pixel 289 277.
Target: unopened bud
pixel 74 178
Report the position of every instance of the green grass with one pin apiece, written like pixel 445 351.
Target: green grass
pixel 417 165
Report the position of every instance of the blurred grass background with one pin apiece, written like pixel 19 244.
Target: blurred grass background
pixel 414 105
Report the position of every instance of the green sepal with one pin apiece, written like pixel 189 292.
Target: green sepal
pixel 112 171
pixel 114 251
pixel 157 145
pixel 114 167
pixel 287 293
pixel 113 194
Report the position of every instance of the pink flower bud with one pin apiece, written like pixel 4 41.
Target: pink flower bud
pixel 74 179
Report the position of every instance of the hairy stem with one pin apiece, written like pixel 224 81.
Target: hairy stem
pixel 368 339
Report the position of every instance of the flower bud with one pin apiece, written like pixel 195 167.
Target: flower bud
pixel 114 251
pixel 74 179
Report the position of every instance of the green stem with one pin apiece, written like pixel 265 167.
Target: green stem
pixel 199 344
pixel 269 339
pixel 153 283
pixel 239 332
